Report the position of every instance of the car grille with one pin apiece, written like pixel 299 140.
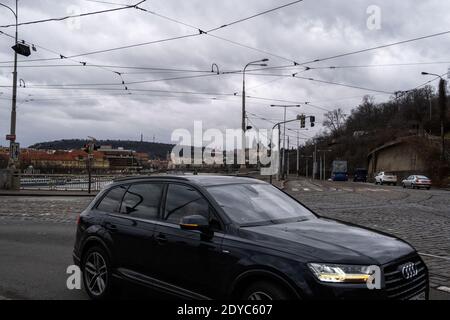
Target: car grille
pixel 399 288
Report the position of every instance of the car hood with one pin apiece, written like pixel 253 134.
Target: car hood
pixel 324 240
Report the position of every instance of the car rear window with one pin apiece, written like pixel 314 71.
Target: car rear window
pixel 111 202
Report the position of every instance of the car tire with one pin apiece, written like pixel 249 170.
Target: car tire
pixel 264 290
pixel 428 188
pixel 381 183
pixel 403 185
pixel 97 277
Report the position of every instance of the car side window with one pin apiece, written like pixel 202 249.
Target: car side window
pixel 143 200
pixel 182 201
pixel 111 202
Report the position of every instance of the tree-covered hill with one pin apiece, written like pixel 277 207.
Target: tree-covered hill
pixel 154 150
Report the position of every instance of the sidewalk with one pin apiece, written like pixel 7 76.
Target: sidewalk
pixel 46 193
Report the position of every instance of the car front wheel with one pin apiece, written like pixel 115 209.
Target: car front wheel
pixel 96 274
pixel 265 291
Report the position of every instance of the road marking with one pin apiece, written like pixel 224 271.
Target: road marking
pixel 306 189
pixel 445 289
pixel 433 256
pixel 295 189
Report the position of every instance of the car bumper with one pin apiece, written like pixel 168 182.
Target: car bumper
pixel 421 184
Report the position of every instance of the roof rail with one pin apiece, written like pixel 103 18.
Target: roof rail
pixel 150 177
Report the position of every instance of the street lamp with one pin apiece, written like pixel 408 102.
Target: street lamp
pixel 442 103
pixel 283 164
pixel 243 125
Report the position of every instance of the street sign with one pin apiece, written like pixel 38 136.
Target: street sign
pixel 11 137
pixel 14 151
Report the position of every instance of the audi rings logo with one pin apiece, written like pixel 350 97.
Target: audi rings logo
pixel 409 270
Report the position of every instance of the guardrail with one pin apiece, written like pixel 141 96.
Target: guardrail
pixel 64 182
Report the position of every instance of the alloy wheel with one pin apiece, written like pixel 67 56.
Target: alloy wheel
pixel 96 273
pixel 259 296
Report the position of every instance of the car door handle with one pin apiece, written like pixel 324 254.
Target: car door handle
pixel 161 239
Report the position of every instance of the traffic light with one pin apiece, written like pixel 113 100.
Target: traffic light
pixel 90 148
pixel 312 119
pixel 86 148
pixel 302 121
pixel 22 49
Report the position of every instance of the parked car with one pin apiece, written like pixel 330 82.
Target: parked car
pixel 386 178
pixel 417 182
pixel 219 237
pixel 360 175
pixel 339 176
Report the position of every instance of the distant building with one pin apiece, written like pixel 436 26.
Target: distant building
pixel 403 157
pixel 122 160
pixel 51 161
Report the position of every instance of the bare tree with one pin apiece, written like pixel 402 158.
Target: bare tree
pixel 335 120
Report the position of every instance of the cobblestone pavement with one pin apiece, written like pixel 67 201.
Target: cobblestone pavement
pixel 51 209
pixel 420 217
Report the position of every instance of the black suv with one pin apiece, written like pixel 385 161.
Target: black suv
pixel 215 237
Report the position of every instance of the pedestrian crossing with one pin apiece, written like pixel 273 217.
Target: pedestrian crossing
pixel 334 189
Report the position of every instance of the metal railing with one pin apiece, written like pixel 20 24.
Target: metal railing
pixel 64 182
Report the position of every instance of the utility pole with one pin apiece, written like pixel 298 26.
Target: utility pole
pixel 298 155
pixel 89 148
pixel 323 166
pixel 307 170
pixel 279 159
pixel 320 167
pixel 14 94
pixel 243 125
pixel 283 163
pixel 315 160
pixel 287 167
pixel 442 107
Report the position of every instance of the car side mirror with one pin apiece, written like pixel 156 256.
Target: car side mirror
pixel 195 222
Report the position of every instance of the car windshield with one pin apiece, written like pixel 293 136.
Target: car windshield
pixel 388 174
pixel 258 204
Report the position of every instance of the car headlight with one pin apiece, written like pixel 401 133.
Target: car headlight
pixel 339 273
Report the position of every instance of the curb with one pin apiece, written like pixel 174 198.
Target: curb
pixel 46 194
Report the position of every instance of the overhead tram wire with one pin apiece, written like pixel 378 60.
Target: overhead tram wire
pixel 74 16
pixel 255 15
pixel 208 33
pixel 62 57
pixel 292 60
pixel 107 2
pixel 273 122
pixel 127 83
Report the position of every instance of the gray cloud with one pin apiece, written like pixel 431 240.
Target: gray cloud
pixel 309 30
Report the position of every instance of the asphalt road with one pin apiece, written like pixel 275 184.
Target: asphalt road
pixel 34 257
pixel 37 233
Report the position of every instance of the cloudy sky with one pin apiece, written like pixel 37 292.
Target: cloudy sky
pixel 64 99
